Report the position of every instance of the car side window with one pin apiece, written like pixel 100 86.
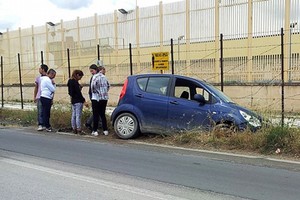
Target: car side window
pixel 204 93
pixel 186 89
pixel 182 92
pixel 207 96
pixel 142 83
pixel 158 85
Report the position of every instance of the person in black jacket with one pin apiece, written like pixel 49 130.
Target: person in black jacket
pixel 77 100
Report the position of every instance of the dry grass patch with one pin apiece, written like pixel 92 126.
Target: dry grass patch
pixel 266 141
pixel 10 117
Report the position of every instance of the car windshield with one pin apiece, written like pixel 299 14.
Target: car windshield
pixel 219 93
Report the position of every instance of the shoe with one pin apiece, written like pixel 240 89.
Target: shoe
pixel 40 128
pixel 49 129
pixel 89 126
pixel 105 132
pixel 74 131
pixel 94 133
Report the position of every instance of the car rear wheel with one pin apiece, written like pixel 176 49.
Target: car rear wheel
pixel 126 126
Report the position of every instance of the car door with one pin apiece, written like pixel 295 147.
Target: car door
pixel 152 103
pixel 185 113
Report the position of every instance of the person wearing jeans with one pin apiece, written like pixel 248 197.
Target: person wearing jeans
pixel 47 93
pixel 99 97
pixel 37 94
pixel 46 104
pixel 77 100
pixel 76 118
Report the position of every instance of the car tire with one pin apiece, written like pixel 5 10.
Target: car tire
pixel 126 126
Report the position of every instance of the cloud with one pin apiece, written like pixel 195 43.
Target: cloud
pixel 7 21
pixel 38 12
pixel 71 4
pixel 5 24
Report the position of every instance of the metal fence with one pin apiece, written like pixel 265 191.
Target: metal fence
pixel 251 43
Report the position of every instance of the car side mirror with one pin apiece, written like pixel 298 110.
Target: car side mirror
pixel 199 98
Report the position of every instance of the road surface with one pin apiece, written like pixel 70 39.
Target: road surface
pixel 36 165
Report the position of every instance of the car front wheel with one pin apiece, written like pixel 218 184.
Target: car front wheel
pixel 223 129
pixel 126 126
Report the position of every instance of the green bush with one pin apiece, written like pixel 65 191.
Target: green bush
pixel 277 137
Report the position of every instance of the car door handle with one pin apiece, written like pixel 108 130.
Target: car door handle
pixel 174 102
pixel 139 95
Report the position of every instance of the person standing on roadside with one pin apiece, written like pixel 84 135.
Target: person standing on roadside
pixel 47 93
pixel 99 89
pixel 37 94
pixel 89 121
pixel 93 70
pixel 102 70
pixel 77 100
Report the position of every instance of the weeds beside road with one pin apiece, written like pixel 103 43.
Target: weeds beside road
pixel 274 140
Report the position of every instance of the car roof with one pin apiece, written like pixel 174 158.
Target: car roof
pixel 164 75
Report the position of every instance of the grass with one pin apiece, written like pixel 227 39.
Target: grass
pixel 265 141
pixel 60 117
pixel 17 117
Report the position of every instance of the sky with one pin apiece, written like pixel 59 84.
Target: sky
pixel 25 13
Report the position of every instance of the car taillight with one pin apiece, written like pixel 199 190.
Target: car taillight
pixel 123 91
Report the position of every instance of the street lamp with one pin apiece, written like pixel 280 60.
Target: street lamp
pixel 50 23
pixel 123 11
pixel 179 38
pixel 292 26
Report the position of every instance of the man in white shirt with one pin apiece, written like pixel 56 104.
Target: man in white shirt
pixel 37 94
pixel 47 92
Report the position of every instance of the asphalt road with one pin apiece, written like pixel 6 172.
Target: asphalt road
pixel 72 167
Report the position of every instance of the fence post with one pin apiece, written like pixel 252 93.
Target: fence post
pixel 221 62
pixel 130 58
pixel 42 57
pixel 2 86
pixel 282 77
pixel 20 80
pixel 172 56
pixel 98 52
pixel 69 64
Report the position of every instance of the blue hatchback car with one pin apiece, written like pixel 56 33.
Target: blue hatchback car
pixel 166 104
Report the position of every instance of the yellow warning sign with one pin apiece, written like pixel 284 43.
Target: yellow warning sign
pixel 160 61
